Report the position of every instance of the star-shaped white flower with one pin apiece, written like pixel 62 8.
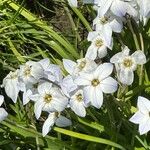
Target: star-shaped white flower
pixel 98 46
pixel 126 64
pixel 82 65
pixel 49 99
pixel 54 118
pixel 77 103
pixel 96 83
pixel 11 85
pixel 3 113
pixel 142 116
pixel 31 71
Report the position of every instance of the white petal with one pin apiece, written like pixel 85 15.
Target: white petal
pixel 137 117
pixel 91 52
pixel 45 63
pixel 48 124
pixel 143 104
pixel 12 90
pixel 63 121
pixel 119 8
pixel 69 65
pixel 97 97
pixel 35 97
pixel 37 71
pixel 38 108
pixel 68 85
pixel 92 35
pixel 102 51
pixel 87 94
pixel 83 79
pixel 73 3
pixel 60 103
pixel 44 88
pixel 106 32
pixel 26 96
pixel 3 114
pixel 116 58
pixel 116 26
pixel 1 99
pixel 144 127
pixel 108 85
pixel 126 76
pixel 78 108
pixel 139 57
pixel 103 71
pixel 105 5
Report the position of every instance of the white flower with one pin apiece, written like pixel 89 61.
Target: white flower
pixel 118 7
pixel 51 71
pixel 142 116
pixel 12 85
pixel 31 71
pixel 73 3
pixel 98 46
pixel 48 99
pixel 54 73
pixel 97 82
pixel 82 65
pixel 68 85
pixel 77 103
pixel 54 118
pixel 126 64
pixel 108 22
pixel 3 113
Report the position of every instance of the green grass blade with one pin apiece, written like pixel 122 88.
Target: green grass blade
pixel 88 138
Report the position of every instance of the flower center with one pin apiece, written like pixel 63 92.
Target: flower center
pixel 98 42
pixel 82 65
pixel 79 97
pixel 27 71
pixel 13 76
pixel 48 98
pixel 95 82
pixel 103 20
pixel 127 62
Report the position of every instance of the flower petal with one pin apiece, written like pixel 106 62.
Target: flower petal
pixel 143 104
pixel 69 65
pixel 63 121
pixel 137 117
pixel 48 124
pixel 38 108
pixel 91 52
pixel 1 99
pixel 126 76
pixel 44 88
pixel 3 114
pixel 97 97
pixel 139 57
pixel 144 127
pixel 103 71
pixel 109 85
pixel 78 108
pixel 116 26
pixel 83 79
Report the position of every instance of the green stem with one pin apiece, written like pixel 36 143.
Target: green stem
pixel 133 33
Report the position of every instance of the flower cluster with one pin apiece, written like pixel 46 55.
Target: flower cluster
pixel 88 78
